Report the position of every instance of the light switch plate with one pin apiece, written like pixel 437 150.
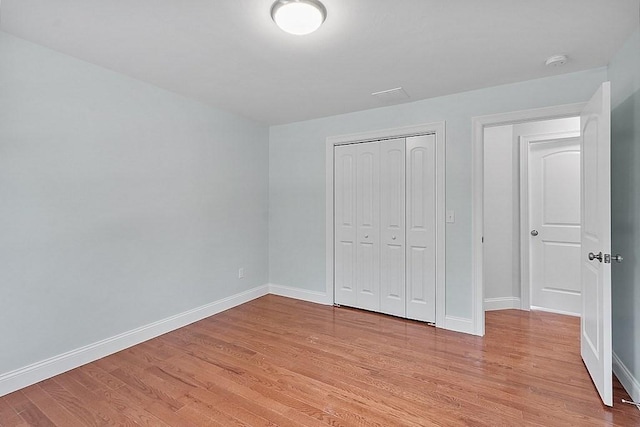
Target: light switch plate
pixel 451 217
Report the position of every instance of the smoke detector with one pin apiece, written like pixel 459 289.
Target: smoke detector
pixel 556 61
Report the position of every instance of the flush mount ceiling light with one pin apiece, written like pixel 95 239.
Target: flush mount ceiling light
pixel 298 17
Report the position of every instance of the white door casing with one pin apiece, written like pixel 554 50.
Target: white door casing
pixel 421 227
pixel 595 325
pixel 392 220
pixel 554 223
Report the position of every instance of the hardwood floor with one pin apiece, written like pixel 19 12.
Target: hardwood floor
pixel 277 361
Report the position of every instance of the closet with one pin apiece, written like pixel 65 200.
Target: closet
pixel 385 226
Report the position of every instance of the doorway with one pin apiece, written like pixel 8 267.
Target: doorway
pixel 479 124
pixel 532 216
pixel 595 234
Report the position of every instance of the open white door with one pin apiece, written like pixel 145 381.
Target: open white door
pixel 595 328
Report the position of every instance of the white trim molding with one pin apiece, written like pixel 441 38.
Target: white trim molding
pixel 437 129
pixel 301 294
pixel 458 324
pixel 477 151
pixel 626 378
pixel 503 303
pixel 554 311
pixel 31 374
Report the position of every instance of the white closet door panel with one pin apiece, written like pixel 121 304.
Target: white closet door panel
pixel 345 224
pixel 368 226
pixel 421 227
pixel 392 227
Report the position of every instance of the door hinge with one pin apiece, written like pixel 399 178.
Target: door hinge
pixel 482 241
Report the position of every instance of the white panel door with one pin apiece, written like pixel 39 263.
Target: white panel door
pixel 421 227
pixel 345 225
pixel 392 224
pixel 595 328
pixel 368 226
pixel 554 218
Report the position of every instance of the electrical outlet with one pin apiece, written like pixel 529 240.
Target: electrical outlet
pixel 240 273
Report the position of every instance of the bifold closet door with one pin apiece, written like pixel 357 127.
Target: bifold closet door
pixel 392 227
pixel 357 225
pixel 345 225
pixel 421 227
pixel 368 226
pixel 385 226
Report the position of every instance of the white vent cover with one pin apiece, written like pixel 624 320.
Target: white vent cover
pixel 391 96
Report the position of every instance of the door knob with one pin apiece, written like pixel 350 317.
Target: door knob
pixel 593 256
pixel 394 238
pixel 617 258
pixel 366 236
pixel 534 233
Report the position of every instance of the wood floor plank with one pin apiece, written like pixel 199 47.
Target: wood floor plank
pixel 87 415
pixel 281 362
pixel 27 410
pixel 210 377
pixel 54 411
pixel 8 415
pixel 105 412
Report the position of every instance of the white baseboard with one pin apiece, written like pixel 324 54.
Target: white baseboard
pixel 551 310
pixel 36 372
pixel 301 294
pixel 459 324
pixel 626 378
pixel 504 303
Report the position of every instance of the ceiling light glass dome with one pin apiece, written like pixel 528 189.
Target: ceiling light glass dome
pixel 298 17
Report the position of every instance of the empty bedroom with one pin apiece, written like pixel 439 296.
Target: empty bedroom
pixel 319 212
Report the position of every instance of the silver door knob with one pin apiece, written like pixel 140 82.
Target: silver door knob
pixel 617 258
pixel 534 233
pixel 593 256
pixel 393 237
pixel 366 236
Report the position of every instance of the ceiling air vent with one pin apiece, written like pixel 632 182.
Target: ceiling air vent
pixel 391 96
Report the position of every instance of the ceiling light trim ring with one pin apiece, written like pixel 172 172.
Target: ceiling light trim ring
pixel 278 4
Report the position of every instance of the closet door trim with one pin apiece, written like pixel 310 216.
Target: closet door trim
pixel 437 129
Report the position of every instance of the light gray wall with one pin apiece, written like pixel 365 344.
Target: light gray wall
pixel 297 174
pixel 624 73
pixel 501 239
pixel 120 203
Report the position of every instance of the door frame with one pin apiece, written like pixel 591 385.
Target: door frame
pixel 477 173
pixel 437 129
pixel 525 227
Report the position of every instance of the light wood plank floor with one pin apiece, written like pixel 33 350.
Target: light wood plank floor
pixel 277 361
